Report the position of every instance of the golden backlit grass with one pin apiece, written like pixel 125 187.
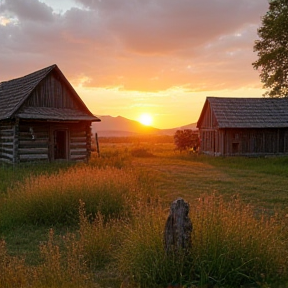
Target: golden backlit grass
pixel 59 268
pixel 54 199
pixel 230 248
pixel 112 211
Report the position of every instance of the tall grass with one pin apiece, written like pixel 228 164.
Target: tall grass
pixel 54 199
pixel 118 223
pixel 100 239
pixel 61 269
pixel 230 248
pixel 142 258
pixel 11 175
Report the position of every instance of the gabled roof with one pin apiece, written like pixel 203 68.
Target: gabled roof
pixel 13 94
pixel 247 112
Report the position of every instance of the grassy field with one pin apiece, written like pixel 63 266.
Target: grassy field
pixel 101 224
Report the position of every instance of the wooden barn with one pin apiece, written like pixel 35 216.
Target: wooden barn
pixel 244 126
pixel 43 118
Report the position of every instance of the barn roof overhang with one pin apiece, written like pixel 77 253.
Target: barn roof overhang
pixel 49 113
pixel 246 113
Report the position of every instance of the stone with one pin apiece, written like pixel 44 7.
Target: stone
pixel 178 228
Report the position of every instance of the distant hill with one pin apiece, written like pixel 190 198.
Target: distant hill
pixel 123 127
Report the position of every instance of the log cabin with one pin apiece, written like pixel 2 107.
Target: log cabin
pixel 42 118
pixel 244 126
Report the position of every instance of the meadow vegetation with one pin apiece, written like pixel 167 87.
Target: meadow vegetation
pixel 100 224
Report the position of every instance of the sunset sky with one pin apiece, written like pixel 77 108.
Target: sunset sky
pixel 129 57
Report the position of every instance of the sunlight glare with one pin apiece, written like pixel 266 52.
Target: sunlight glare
pixel 145 119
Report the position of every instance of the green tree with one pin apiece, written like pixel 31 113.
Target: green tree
pixel 272 48
pixel 186 139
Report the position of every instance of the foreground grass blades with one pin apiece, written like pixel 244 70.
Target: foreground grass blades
pixel 94 225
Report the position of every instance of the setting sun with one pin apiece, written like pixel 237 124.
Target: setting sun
pixel 146 119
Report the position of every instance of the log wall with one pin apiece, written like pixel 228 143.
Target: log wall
pixel 80 143
pixel 7 142
pixel 34 141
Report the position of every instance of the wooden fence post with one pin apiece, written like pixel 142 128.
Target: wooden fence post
pixel 97 144
pixel 178 228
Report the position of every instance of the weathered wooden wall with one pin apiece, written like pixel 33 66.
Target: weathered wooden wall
pixel 33 141
pixel 51 92
pixel 7 142
pixel 249 142
pixel 80 142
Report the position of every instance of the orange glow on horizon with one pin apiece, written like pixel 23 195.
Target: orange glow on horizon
pixel 169 109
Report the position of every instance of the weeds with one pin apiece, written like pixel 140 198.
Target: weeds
pixel 61 269
pixel 54 199
pixel 99 238
pixel 232 247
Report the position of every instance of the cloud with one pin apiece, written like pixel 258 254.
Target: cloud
pixel 28 10
pixel 168 25
pixel 149 45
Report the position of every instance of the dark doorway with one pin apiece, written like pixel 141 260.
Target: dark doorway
pixel 60 144
pixel 235 148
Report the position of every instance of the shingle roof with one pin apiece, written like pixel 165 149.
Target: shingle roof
pixel 13 94
pixel 249 112
pixel 49 113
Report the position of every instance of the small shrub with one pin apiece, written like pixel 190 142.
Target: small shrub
pixel 186 139
pixel 141 152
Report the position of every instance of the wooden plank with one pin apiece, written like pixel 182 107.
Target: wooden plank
pixel 33 143
pixel 16 141
pixel 77 139
pixel 7 156
pixel 78 157
pixel 78 133
pixel 33 151
pixel 7 145
pixel 8 161
pixel 78 150
pixel 7 132
pixel 28 135
pixel 29 157
pixel 8 149
pixel 78 146
pixel 6 138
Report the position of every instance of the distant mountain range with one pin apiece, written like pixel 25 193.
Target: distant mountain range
pixel 123 127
